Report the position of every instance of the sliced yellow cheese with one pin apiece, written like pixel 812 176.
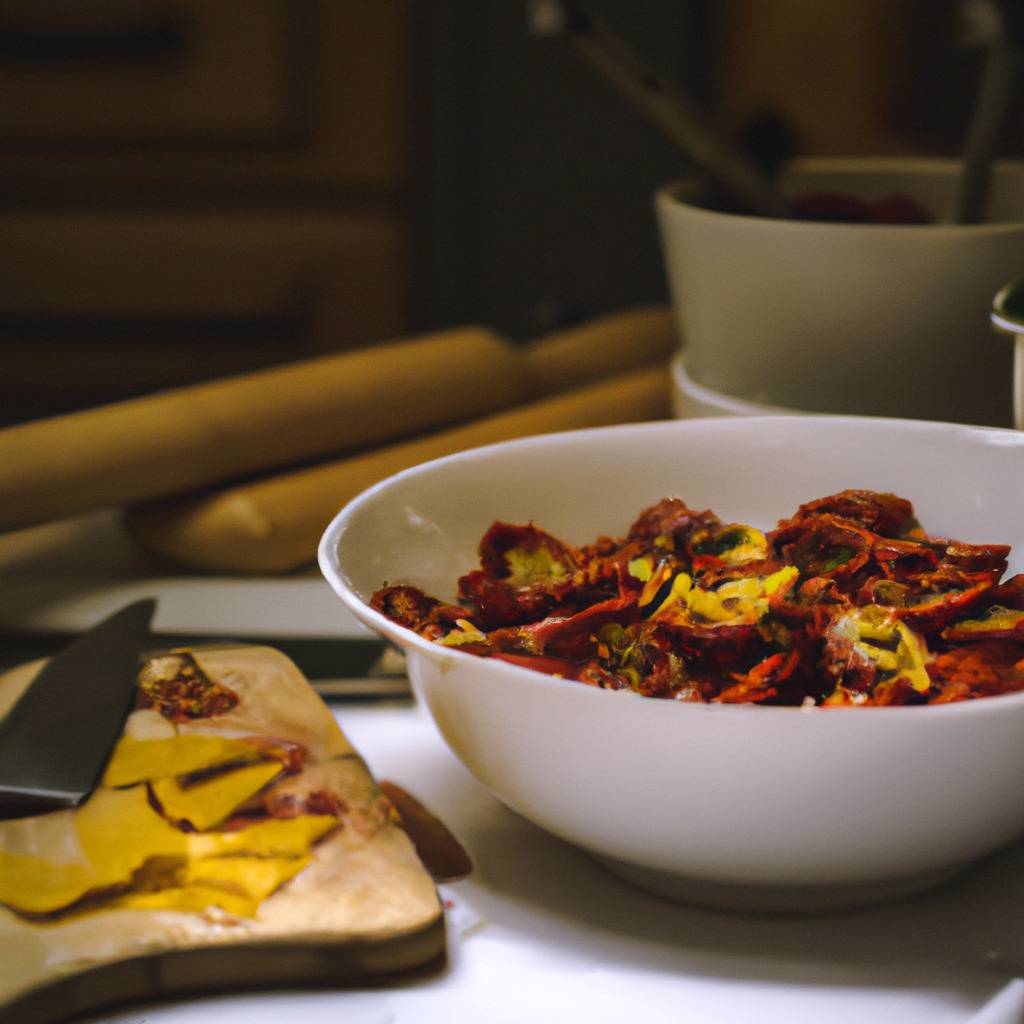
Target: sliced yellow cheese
pixel 122 841
pixel 235 884
pixel 205 804
pixel 118 831
pixel 35 885
pixel 195 899
pixel 142 760
pixel 257 877
pixel 276 837
pixel 138 846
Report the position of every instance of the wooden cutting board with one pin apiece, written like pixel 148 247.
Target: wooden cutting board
pixel 237 840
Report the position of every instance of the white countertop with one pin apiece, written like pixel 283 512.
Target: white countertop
pixel 542 932
pixel 65 576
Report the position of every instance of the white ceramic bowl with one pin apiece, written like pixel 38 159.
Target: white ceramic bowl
pixel 762 807
pixel 691 400
pixel 867 319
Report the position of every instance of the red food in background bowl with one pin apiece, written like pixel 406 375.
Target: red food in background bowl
pixel 846 208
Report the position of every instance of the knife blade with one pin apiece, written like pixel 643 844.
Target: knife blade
pixel 55 741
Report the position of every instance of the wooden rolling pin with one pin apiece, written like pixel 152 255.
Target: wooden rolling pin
pixel 192 437
pixel 603 347
pixel 207 433
pixel 274 525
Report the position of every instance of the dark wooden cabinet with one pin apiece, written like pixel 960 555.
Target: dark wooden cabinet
pixel 196 187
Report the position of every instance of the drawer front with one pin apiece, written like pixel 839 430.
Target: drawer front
pixel 124 71
pixel 98 308
pixel 254 99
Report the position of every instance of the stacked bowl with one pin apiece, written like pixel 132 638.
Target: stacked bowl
pixel 871 318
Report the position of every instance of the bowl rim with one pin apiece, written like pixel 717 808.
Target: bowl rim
pixel 409 641
pixel 668 197
pixel 733 405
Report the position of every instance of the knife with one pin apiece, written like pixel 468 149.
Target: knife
pixel 338 668
pixel 56 739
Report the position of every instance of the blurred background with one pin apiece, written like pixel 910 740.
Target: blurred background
pixel 191 188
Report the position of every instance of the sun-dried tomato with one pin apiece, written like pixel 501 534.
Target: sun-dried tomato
pixel 899 559
pixel 291 805
pixel 669 524
pixel 761 682
pixel 823 546
pixel 885 514
pixel 179 689
pixel 408 606
pixel 976 557
pixel 977 670
pixel 498 603
pixel 525 556
pixel 930 601
pixel 847 602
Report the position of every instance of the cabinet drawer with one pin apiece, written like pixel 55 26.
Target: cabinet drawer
pixel 125 71
pixel 95 308
pixel 198 263
pixel 241 98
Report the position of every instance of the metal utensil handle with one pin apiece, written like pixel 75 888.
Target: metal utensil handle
pixel 663 103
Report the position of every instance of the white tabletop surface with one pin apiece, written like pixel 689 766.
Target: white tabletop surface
pixel 541 932
pixel 67 575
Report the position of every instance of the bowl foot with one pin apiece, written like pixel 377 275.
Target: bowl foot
pixel 774 899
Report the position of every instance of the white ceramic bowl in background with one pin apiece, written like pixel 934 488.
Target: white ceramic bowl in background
pixel 691 400
pixel 766 807
pixel 889 320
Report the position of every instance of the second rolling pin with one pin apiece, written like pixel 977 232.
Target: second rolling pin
pixel 273 525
